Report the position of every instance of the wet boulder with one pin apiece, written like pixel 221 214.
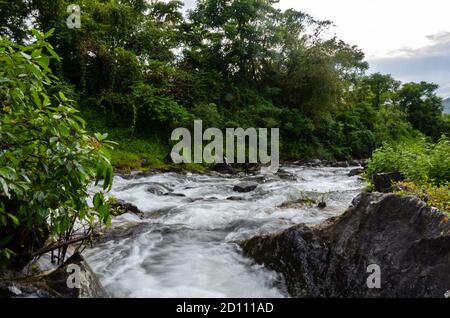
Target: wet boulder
pixel 340 164
pixel 158 189
pixel 285 175
pixel 406 240
pixel 322 204
pixel 354 163
pixel 119 207
pixel 299 203
pixel 244 187
pixel 172 194
pixel 235 198
pixel 223 168
pixel 121 228
pixel 355 172
pixel 258 179
pixel 313 163
pixel 250 167
pixel 73 279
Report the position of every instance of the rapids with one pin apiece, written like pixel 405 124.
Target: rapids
pixel 188 247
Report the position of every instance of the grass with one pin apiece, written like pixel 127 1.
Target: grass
pixel 139 154
pixel 134 152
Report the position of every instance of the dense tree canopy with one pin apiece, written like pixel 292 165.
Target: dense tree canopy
pixel 149 67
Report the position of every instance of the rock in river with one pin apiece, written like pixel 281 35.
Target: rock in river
pixel 355 172
pixel 409 241
pixel 54 284
pixel 245 187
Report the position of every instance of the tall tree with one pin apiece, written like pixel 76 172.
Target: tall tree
pixel 423 106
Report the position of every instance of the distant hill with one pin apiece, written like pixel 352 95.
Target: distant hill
pixel 446 103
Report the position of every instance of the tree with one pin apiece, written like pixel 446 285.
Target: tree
pixel 422 106
pixel 380 89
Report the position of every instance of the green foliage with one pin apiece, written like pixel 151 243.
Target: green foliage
pixel 209 114
pixel 433 195
pixel 425 165
pixel 144 66
pixel 419 160
pixel 47 159
pixel 422 106
pixel 156 111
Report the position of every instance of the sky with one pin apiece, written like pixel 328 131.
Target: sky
pixel 409 39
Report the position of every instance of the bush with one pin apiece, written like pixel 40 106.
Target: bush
pixel 437 196
pixel 47 160
pixel 419 160
pixel 425 165
pixel 156 111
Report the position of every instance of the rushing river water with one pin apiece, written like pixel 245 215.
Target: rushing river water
pixel 188 247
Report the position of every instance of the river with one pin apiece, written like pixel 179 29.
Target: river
pixel 188 247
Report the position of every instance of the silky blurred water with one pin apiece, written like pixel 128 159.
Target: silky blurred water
pixel 188 245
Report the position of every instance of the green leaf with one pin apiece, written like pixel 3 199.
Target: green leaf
pixel 14 219
pixel 25 55
pixel 98 200
pixel 5 187
pixel 62 96
pixel 108 177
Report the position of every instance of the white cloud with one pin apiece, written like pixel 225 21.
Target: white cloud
pixel 429 63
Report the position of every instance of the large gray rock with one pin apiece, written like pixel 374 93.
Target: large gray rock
pixel 408 240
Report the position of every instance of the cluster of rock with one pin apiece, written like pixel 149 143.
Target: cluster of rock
pixel 332 163
pixel 408 241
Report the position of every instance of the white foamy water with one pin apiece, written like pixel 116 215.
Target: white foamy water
pixel 187 247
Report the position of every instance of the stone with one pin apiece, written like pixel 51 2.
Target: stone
pixel 285 175
pixel 171 194
pixel 299 203
pixel 54 283
pixel 313 163
pixel 158 189
pixel 409 241
pixel 223 168
pixel 382 182
pixel 354 163
pixel 244 187
pixel 340 164
pixel 355 172
pixel 235 198
pixel 322 205
pixel 119 207
pixel 121 229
